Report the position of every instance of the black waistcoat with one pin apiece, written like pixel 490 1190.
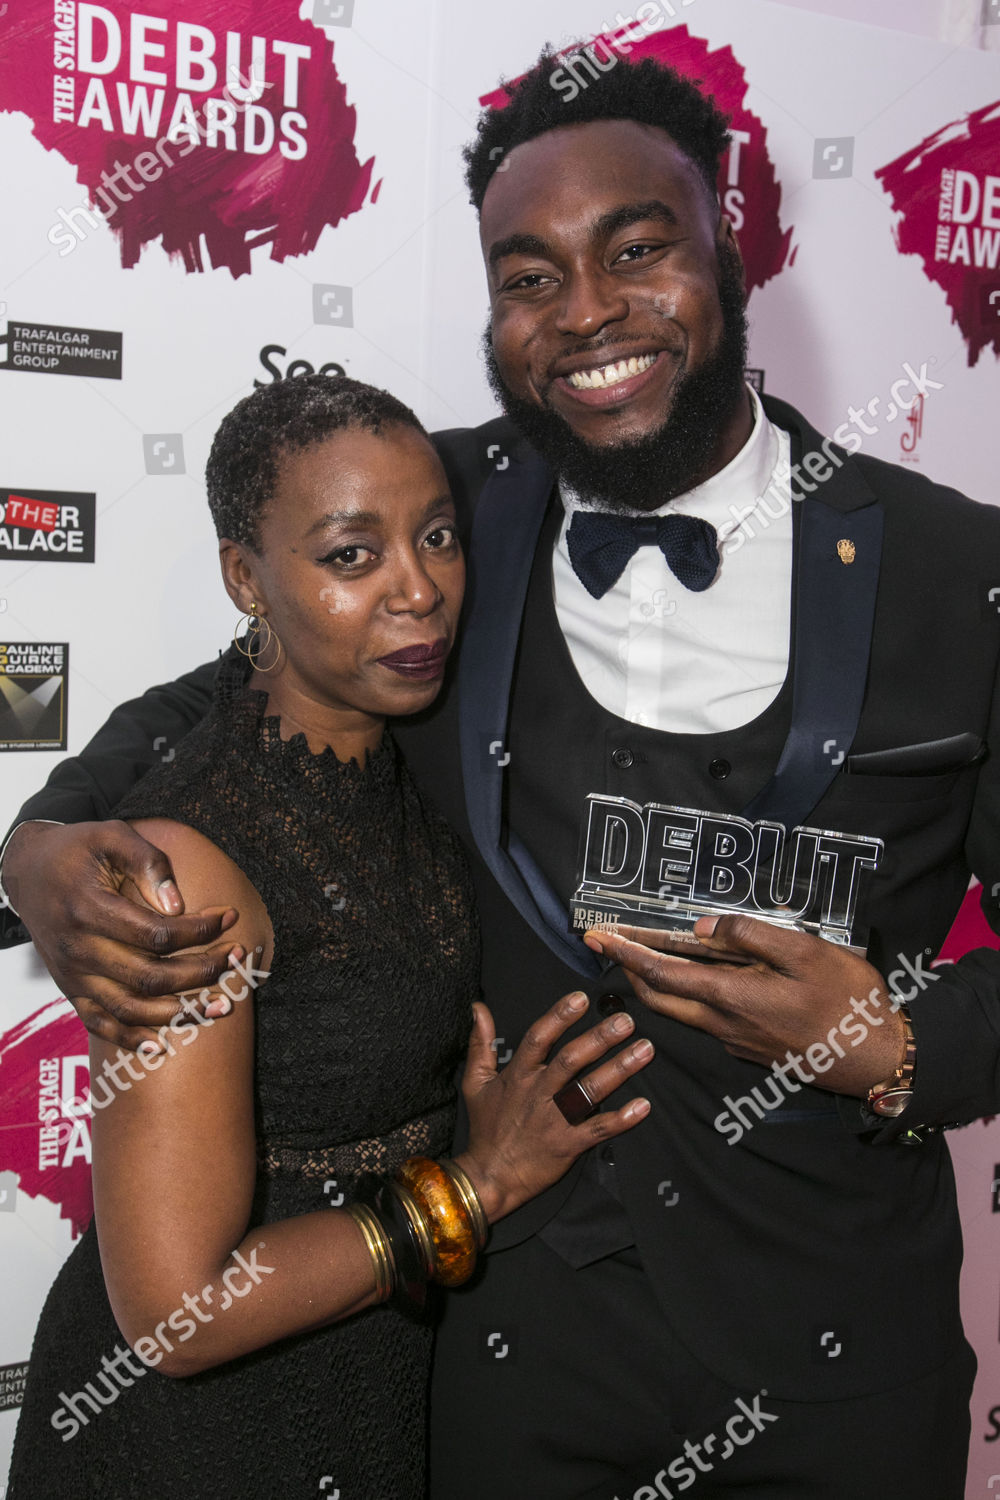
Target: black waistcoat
pixel 563 745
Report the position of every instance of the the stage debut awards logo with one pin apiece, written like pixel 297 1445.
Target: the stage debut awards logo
pixel 748 186
pixel 33 694
pixel 214 127
pixel 946 192
pixel 45 1147
pixel 46 526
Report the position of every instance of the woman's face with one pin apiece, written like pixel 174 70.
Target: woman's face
pixel 359 573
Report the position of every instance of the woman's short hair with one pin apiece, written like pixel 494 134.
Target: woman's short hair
pixel 281 418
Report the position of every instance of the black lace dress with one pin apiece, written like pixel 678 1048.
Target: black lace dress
pixel 359 1031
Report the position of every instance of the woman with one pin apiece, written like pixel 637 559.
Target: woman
pixel 238 1242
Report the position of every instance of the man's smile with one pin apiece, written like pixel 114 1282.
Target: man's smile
pixel 611 378
pixel 600 377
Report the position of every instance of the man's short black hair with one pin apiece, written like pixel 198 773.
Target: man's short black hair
pixel 285 417
pixel 646 91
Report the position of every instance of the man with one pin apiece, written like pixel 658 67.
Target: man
pixel 753 1298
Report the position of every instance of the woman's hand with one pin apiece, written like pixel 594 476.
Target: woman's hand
pixel 519 1141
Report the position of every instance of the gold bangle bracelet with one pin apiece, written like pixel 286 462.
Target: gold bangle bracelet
pixel 378 1248
pixel 470 1198
pixel 421 1227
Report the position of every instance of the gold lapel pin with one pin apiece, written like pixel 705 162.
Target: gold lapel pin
pixel 846 551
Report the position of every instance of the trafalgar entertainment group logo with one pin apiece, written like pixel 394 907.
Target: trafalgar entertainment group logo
pixel 46 348
pixel 46 526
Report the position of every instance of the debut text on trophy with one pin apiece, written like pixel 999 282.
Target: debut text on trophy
pixel 664 867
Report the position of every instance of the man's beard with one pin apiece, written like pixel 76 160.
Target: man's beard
pixel 640 474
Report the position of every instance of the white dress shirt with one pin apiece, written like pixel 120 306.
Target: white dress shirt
pixel 656 653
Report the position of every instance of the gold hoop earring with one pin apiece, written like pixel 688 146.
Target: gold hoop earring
pixel 256 647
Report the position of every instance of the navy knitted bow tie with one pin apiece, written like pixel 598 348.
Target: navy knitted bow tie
pixel 601 545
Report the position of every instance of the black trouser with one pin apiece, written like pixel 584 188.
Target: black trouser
pixel 559 1384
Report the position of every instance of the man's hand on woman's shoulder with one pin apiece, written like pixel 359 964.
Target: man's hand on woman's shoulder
pixel 110 953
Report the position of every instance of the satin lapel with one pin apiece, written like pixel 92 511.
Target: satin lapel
pixel 839 553
pixel 505 531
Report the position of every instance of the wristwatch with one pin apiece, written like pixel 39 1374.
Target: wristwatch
pixel 891 1097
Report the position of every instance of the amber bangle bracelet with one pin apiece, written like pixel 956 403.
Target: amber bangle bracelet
pixel 471 1200
pixel 441 1205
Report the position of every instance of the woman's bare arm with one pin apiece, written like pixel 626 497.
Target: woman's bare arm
pixel 174 1173
pixel 175 1157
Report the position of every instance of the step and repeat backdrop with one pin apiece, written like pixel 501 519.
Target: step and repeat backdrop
pixel 205 197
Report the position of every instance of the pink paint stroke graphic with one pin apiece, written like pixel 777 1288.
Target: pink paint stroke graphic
pixel 213 203
pixel 47 1036
pixel 946 192
pixel 748 184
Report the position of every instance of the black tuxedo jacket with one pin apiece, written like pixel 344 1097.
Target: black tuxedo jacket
pixel 817 1220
